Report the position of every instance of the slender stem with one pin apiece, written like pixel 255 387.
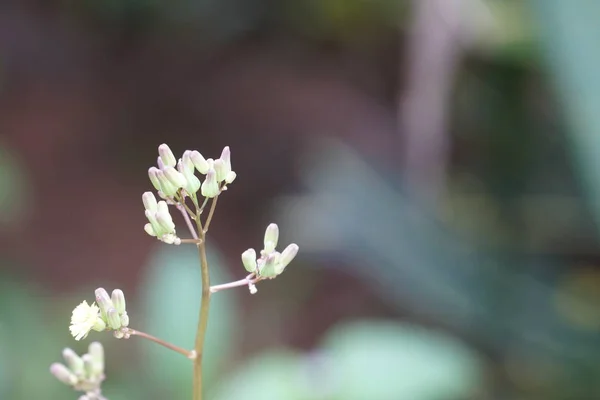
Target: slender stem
pixel 203 317
pixel 188 221
pixel 213 205
pixel 187 353
pixel 242 282
pixel 193 241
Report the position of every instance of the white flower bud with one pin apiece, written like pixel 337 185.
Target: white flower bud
pixel 118 299
pixel 252 288
pixel 220 170
pixel 230 177
pixel 125 320
pixel 210 186
pixel 113 318
pixel 96 352
pixel 167 156
pixel 186 161
pixel 152 174
pixel 74 362
pixel 163 217
pixel 63 374
pixel 166 187
pixel 193 183
pixel 287 256
pixel 249 260
pixel 199 162
pixel 149 230
pixel 226 158
pixel 149 201
pixel 175 177
pixel 103 300
pixel 271 238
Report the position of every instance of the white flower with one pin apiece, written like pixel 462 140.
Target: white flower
pixel 85 318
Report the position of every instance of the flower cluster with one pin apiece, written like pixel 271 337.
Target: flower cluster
pixel 84 373
pixel 175 180
pixel 271 262
pixel 108 314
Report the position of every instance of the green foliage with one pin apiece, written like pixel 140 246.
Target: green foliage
pixel 171 295
pixel 375 360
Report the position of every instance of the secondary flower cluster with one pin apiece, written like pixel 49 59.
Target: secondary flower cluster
pixel 175 180
pixel 271 262
pixel 84 373
pixel 109 314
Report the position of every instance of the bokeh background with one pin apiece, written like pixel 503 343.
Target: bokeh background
pixel 435 160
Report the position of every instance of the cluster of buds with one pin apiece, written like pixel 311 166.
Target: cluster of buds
pixel 109 314
pixel 175 180
pixel 271 262
pixel 85 373
pixel 171 176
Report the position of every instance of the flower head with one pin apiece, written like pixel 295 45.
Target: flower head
pixel 85 318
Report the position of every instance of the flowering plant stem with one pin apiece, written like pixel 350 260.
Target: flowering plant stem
pixel 187 353
pixel 205 302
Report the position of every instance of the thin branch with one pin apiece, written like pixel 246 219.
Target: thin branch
pixel 188 221
pixel 249 280
pixel 187 353
pixel 213 205
pixel 204 308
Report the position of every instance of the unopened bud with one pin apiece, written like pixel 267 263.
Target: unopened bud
pixel 63 374
pixel 226 158
pixel 118 299
pixel 149 201
pixel 287 255
pixel 118 334
pixel 166 187
pixel 249 260
pixel 99 325
pixel 125 320
pixel 269 267
pixel 192 182
pixel 186 162
pixel 220 170
pixel 103 300
pixel 152 174
pixel 199 162
pixel 163 217
pixel 175 177
pixel 271 238
pixel 167 156
pixel 96 352
pixel 113 318
pixel 74 362
pixel 149 230
pixel 210 186
pixel 230 177
pixel 252 288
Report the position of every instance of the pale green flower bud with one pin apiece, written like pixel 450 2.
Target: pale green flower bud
pixel 167 156
pixel 220 170
pixel 193 183
pixel 231 175
pixel 163 217
pixel 153 175
pixel 156 228
pixel 103 300
pixel 113 318
pixel 249 260
pixel 166 187
pixel 170 238
pixel 268 269
pixel 118 334
pixel 186 162
pixel 88 363
pixel 99 325
pixel 149 230
pixel 199 162
pixel 210 186
pixel 96 352
pixel 226 158
pixel 74 362
pixel 175 177
pixel 149 201
pixel 63 374
pixel 287 256
pixel 118 299
pixel 160 163
pixel 125 320
pixel 271 238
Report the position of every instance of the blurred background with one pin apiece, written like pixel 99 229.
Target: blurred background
pixel 435 160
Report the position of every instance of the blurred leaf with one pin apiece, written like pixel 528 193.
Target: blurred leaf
pixel 27 346
pixel 380 360
pixel 171 297
pixel 569 34
pixel 272 375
